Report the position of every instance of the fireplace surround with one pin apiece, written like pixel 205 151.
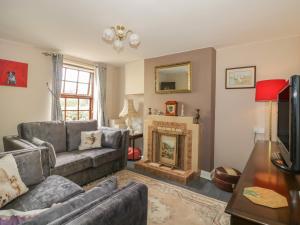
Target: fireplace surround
pixel 172 147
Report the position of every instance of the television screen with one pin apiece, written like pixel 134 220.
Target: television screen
pixel 284 117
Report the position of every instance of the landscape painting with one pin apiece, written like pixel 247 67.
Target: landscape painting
pixel 168 150
pixel 13 73
pixel 240 77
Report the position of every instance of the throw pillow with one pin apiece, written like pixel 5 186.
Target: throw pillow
pixel 90 139
pixel 111 138
pixel 10 181
pixel 14 217
pixel 30 173
pixel 52 154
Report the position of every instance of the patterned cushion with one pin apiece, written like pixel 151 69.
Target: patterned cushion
pixel 11 185
pixel 74 129
pixel 90 140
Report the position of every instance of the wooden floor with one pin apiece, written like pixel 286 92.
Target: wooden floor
pixel 199 185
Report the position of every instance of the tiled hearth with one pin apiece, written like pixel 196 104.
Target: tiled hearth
pixel 187 135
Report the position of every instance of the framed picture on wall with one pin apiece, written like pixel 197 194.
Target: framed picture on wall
pixel 240 77
pixel 13 73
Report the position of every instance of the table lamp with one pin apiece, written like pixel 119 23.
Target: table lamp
pixel 267 91
pixel 128 112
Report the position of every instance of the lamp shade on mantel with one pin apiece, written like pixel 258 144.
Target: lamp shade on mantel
pixel 267 90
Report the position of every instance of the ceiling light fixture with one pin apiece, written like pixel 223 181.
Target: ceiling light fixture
pixel 118 34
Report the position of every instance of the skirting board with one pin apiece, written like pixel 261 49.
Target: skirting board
pixel 205 174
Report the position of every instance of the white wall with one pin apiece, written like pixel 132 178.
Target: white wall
pixel 24 104
pixel 237 113
pixel 34 102
pixel 114 91
pixel 134 77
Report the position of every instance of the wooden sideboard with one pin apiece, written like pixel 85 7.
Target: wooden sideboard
pixel 260 172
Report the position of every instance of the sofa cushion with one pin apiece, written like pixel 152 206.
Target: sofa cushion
pixel 68 163
pixel 74 129
pixel 11 184
pixel 111 138
pixel 112 208
pixel 31 173
pixel 55 189
pixel 53 132
pixel 105 187
pixel 102 156
pixel 90 140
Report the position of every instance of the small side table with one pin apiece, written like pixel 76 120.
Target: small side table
pixel 132 139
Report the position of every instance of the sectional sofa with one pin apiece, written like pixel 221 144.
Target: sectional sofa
pixel 65 202
pixel 61 139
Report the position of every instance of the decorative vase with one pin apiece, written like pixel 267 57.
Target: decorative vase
pixel 197 116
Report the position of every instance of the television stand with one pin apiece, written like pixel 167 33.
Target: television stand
pixel 278 161
pixel 260 172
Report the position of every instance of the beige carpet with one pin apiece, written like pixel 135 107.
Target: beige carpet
pixel 173 205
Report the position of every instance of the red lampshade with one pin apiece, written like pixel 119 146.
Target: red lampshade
pixel 267 90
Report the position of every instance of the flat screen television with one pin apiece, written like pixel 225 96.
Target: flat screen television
pixel 288 124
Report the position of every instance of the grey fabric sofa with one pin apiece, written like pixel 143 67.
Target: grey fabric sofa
pixel 67 203
pixel 62 140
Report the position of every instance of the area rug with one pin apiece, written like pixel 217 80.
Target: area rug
pixel 173 205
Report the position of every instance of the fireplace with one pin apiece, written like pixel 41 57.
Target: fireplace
pixel 171 147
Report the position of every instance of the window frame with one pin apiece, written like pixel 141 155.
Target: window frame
pixel 89 96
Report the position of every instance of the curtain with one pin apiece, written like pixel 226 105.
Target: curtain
pixel 100 95
pixel 56 113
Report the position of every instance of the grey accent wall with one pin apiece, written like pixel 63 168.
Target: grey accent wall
pixel 202 96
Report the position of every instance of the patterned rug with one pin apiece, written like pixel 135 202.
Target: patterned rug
pixel 173 205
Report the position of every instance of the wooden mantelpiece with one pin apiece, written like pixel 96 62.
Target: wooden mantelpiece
pixel 259 171
pixel 175 125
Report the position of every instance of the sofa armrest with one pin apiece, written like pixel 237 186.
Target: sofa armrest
pixel 126 206
pixel 14 142
pixel 125 146
pixel 15 145
pixel 124 143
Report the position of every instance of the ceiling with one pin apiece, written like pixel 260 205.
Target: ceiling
pixel 165 26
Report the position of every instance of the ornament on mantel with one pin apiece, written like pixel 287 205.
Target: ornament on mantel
pixel 197 116
pixel 182 110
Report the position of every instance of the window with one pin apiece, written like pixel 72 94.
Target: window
pixel 77 93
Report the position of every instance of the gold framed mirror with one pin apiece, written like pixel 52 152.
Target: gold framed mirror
pixel 174 78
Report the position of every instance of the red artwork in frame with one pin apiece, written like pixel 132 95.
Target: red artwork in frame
pixel 13 73
pixel 171 108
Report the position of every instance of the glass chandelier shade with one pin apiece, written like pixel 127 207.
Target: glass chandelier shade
pixel 134 40
pixel 118 34
pixel 108 34
pixel 118 44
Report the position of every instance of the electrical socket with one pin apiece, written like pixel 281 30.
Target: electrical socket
pixel 259 130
